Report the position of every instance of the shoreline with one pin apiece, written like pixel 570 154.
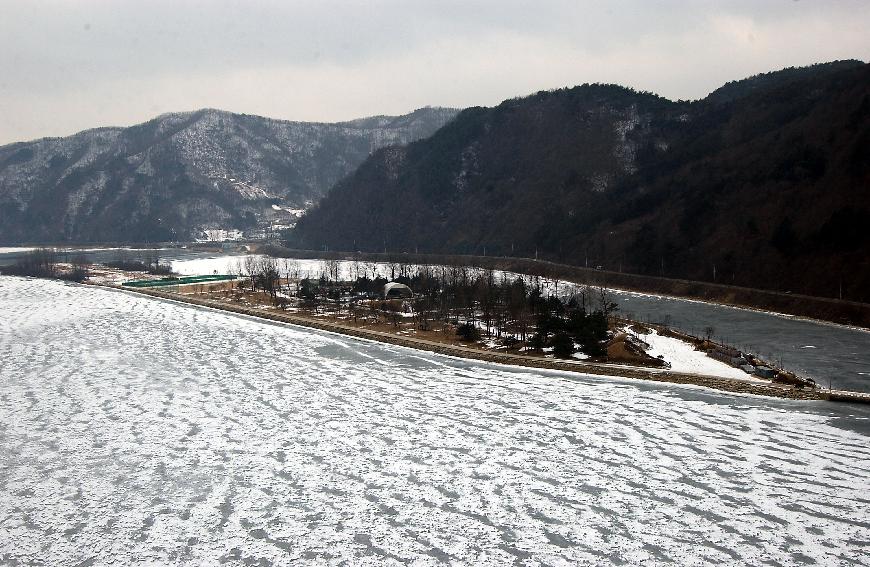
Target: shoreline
pixel 673 297
pixel 590 278
pixel 598 369
pixel 847 313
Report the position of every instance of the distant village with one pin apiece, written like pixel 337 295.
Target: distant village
pixel 271 223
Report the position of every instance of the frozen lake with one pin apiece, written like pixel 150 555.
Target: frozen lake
pixel 137 430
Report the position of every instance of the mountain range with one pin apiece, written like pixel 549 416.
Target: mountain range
pixel 763 183
pixel 175 175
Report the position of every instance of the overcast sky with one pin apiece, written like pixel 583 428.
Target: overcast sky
pixel 68 65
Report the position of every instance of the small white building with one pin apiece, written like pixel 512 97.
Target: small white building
pixel 221 235
pixel 396 290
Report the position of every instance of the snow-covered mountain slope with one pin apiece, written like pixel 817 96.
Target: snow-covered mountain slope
pixel 181 172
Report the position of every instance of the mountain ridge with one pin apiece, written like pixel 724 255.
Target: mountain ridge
pixel 208 109
pixel 171 176
pixel 762 188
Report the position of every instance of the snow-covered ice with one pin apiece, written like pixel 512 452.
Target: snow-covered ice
pixel 232 263
pixel 134 430
pixel 222 264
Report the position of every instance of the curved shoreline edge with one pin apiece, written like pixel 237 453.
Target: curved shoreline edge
pixel 621 371
pixel 842 312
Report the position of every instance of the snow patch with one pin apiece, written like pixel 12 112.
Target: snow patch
pixel 684 358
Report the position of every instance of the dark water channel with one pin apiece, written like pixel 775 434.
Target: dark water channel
pixel 830 354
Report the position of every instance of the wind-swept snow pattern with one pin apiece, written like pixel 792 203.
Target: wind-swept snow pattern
pixel 138 430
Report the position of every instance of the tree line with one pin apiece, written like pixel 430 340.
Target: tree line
pixel 49 263
pixel 144 261
pixel 515 311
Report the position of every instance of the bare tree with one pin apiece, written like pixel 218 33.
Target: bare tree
pixel 332 269
pixel 355 267
pixel 607 306
pixel 371 267
pixel 251 268
pixel 80 269
pixel 268 276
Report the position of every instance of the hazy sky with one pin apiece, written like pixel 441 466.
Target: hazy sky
pixel 67 65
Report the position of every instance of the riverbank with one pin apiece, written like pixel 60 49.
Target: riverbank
pixel 655 375
pixel 842 312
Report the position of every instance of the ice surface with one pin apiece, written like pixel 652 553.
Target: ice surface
pixel 134 430
pixel 229 264
pixel 13 250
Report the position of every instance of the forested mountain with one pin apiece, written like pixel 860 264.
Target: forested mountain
pixel 179 173
pixel 764 183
